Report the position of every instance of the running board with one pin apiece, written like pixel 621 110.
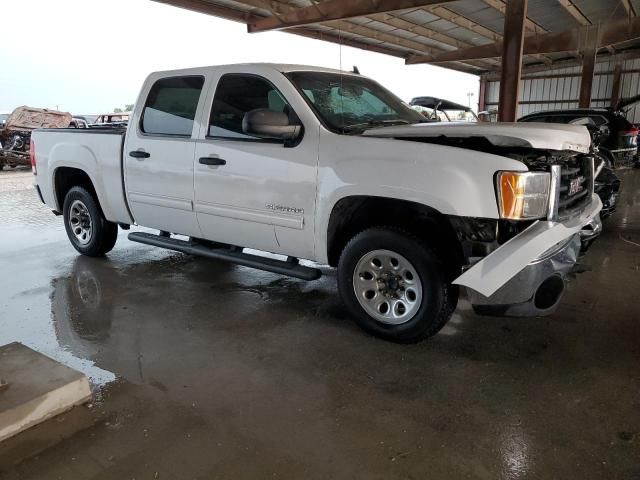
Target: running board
pixel 234 255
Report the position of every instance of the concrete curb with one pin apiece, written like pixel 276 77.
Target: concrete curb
pixel 37 389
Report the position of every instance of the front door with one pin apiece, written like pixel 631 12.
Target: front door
pixel 254 192
pixel 159 156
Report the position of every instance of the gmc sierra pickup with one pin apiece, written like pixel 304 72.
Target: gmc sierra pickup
pixel 318 164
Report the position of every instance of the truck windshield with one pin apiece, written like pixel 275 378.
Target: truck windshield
pixel 351 104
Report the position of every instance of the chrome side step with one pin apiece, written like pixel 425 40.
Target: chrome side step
pixel 290 267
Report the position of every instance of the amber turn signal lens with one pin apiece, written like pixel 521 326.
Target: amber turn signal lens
pixel 523 195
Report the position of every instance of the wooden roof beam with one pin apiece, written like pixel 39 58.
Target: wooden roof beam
pixel 529 25
pixel 401 42
pixel 567 63
pixel 334 10
pixel 575 12
pixel 204 7
pixel 207 8
pixel 568 41
pixel 420 30
pixel 279 10
pixel 628 7
pixel 461 21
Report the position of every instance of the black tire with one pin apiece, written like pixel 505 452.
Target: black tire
pixel 438 299
pixel 103 232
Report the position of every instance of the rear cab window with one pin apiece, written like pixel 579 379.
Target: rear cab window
pixel 171 105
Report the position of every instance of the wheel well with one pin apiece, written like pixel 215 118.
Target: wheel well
pixel 66 178
pixel 352 215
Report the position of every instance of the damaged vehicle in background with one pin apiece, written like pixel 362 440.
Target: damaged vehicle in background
pixel 607 183
pixel 16 132
pixel 440 110
pixel 618 143
pixel 328 166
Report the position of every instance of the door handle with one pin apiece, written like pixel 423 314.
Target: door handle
pixel 139 154
pixel 212 161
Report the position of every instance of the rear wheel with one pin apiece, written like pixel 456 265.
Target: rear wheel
pixel 89 232
pixel 394 285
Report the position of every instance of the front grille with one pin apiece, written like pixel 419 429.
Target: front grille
pixel 576 184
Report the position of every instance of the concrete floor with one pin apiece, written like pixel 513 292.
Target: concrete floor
pixel 205 370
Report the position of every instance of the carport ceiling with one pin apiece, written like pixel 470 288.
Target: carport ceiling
pixel 464 35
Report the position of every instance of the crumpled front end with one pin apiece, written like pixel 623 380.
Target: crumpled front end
pixel 537 289
pixel 526 275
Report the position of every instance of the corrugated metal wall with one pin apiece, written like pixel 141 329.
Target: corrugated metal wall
pixel 560 88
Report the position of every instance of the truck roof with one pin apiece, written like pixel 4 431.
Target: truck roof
pixel 280 67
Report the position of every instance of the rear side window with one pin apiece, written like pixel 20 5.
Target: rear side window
pixel 171 106
pixel 237 94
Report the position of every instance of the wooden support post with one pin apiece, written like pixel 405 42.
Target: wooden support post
pixel 588 66
pixel 514 25
pixel 482 94
pixel 615 86
pixel 588 53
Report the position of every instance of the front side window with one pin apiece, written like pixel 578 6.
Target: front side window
pixel 352 104
pixel 237 94
pixel 171 106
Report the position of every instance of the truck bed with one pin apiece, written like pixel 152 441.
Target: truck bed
pixel 108 130
pixel 95 151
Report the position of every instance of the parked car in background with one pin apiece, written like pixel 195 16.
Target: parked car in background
pixel 329 166
pixel 78 122
pixel 16 132
pixel 111 119
pixel 440 110
pixel 620 144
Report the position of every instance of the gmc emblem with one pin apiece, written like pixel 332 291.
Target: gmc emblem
pixel 575 185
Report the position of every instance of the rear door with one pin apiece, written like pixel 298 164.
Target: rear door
pixel 159 154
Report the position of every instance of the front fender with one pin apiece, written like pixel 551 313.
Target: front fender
pixel 453 181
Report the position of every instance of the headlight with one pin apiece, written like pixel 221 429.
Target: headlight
pixel 523 195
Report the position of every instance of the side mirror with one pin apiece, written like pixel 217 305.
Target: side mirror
pixel 265 123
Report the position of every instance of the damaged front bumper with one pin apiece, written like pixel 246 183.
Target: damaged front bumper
pixel 534 291
pixel 526 275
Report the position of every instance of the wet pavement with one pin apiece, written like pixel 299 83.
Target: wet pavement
pixel 205 370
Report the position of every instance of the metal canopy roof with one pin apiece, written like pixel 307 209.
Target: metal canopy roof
pixel 464 35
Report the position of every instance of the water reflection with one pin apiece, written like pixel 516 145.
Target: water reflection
pixel 82 316
pixel 514 450
pixel 82 309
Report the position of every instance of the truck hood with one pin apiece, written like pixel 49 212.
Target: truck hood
pixel 530 135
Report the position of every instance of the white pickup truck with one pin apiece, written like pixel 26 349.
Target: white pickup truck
pixel 318 164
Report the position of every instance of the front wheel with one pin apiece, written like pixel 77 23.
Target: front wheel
pixel 89 232
pixel 394 285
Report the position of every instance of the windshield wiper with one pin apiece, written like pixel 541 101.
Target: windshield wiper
pixel 375 123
